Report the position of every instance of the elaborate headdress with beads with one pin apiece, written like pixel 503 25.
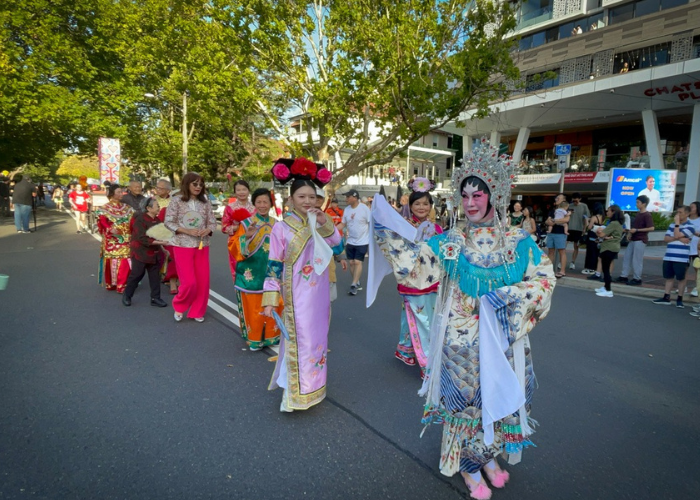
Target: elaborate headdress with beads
pixel 498 172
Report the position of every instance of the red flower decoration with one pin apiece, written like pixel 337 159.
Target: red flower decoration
pixel 281 172
pixel 324 175
pixel 304 167
pixel 240 214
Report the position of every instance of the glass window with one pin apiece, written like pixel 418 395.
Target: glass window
pixel 622 13
pixel 565 30
pixel 552 34
pixel 526 43
pixel 595 22
pixel 644 7
pixel 538 39
pixel 669 4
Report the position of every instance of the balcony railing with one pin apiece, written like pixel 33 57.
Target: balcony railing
pixel 534 17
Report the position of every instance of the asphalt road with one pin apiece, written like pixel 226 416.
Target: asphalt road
pixel 103 402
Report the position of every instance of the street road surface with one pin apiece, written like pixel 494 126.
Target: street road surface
pixel 100 401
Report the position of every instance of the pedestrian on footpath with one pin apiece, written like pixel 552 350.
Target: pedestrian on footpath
pixel 79 202
pixel 356 219
pixel 145 253
pixel 191 217
pixel 57 197
pixel 4 196
pixel 297 274
pixel 22 199
pixel 556 239
pixel 694 219
pixel 577 224
pixel 633 261
pixel 675 263
pixel 591 265
pixel 610 246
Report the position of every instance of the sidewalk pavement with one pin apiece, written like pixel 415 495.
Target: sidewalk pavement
pixel 652 279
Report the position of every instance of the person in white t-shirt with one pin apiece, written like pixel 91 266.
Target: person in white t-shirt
pixel 655 203
pixel 356 219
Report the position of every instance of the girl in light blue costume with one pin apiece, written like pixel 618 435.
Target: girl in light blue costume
pixel 418 304
pixel 495 286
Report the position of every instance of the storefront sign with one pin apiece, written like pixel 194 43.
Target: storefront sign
pixel 580 177
pixel 628 183
pixel 539 179
pixel 683 91
pixel 602 153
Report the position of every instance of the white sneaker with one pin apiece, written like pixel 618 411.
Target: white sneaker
pixel 604 293
pixel 572 266
pixel 601 289
pixel 694 293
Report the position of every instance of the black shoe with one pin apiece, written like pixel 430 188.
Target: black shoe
pixel 622 279
pixel 126 300
pixel 634 282
pixel 595 276
pixel 158 302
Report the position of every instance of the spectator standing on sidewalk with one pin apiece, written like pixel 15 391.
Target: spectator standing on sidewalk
pixel 556 240
pixel 694 219
pixel 577 223
pixel 22 200
pixel 4 196
pixel 675 264
pixel 610 246
pixel 639 237
pixel 592 251
pixel 356 219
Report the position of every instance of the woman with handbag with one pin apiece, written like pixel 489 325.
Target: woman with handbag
pixel 418 304
pixel 591 263
pixel 251 246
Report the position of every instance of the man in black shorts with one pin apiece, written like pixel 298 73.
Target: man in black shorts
pixel 577 224
pixel 356 218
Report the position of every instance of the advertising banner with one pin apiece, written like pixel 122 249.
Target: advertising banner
pixel 628 183
pixel 110 156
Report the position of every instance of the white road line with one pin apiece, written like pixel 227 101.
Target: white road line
pixel 223 299
pixel 225 313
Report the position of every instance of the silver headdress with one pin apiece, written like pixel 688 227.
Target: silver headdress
pixel 498 172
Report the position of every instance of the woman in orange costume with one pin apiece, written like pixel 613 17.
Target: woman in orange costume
pixel 230 222
pixel 251 245
pixel 113 220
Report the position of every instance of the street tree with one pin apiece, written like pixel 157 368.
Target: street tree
pixel 370 77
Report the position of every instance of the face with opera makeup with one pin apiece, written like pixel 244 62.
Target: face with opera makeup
pixel 475 200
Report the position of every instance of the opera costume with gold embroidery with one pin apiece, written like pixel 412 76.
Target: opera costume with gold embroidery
pixel 297 273
pixel 495 286
pixel 113 219
pixel 252 254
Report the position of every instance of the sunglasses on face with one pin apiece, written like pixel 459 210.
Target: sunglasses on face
pixel 198 184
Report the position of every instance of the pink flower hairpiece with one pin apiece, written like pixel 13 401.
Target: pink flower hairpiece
pixel 421 185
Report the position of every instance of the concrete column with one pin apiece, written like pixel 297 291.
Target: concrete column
pixel 651 134
pixel 692 177
pixel 467 141
pixel 495 140
pixel 520 143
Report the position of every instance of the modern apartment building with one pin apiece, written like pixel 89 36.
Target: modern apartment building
pixel 619 80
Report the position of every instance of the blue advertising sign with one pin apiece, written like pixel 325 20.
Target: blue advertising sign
pixel 562 149
pixel 628 183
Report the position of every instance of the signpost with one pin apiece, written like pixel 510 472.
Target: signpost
pixel 563 152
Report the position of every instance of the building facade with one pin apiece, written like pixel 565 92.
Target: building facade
pixel 619 80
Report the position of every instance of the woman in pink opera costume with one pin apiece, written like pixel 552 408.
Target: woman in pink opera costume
pixel 297 271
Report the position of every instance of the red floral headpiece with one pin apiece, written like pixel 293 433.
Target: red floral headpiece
pixel 286 169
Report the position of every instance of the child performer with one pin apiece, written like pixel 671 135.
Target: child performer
pixel 297 271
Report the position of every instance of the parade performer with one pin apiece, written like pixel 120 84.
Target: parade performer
pixel 495 286
pixel 418 304
pixel 297 271
pixel 251 245
pixel 234 213
pixel 191 218
pixel 113 220
pixel 169 270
